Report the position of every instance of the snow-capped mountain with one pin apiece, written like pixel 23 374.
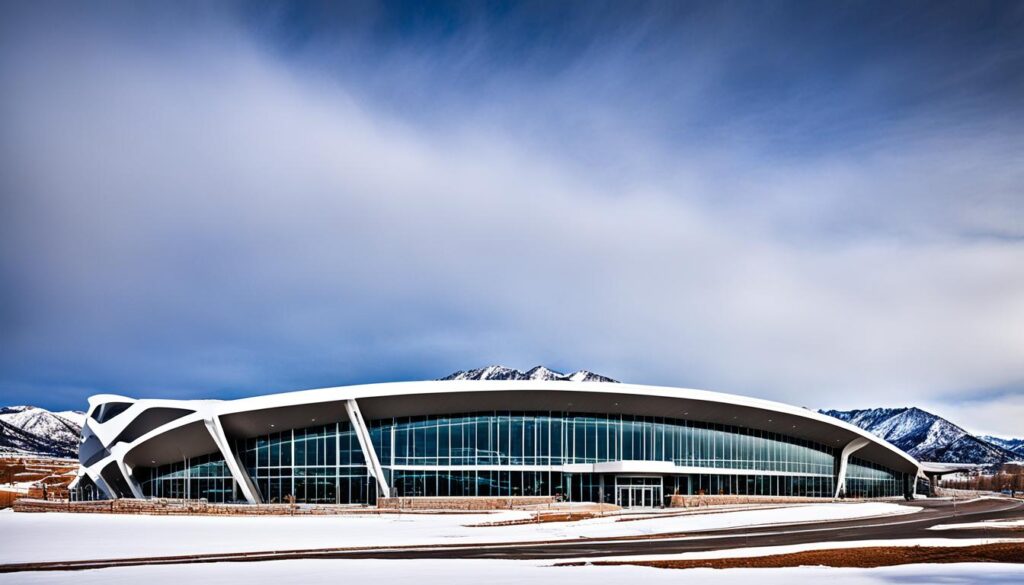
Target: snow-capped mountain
pixel 1015 445
pixel 925 436
pixel 37 431
pixel 537 373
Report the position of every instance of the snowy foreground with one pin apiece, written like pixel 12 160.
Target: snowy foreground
pixel 313 572
pixel 64 537
pixel 39 537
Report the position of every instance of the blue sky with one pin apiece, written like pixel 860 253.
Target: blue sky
pixel 814 203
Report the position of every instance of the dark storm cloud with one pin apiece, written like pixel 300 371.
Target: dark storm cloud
pixel 818 206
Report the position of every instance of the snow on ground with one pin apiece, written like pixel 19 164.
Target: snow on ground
pixel 494 572
pixel 58 536
pixel 20 487
pixel 988 524
pixel 765 551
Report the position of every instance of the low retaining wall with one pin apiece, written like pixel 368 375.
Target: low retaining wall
pixel 944 492
pixel 468 503
pixel 679 501
pixel 8 498
pixel 168 507
pixel 184 508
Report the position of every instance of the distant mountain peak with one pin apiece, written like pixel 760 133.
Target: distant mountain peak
pixel 929 437
pixel 32 430
pixel 534 373
pixel 1015 445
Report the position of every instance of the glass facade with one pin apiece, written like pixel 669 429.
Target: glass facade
pixel 472 449
pixel 869 480
pixel 85 491
pixel 206 476
pixel 545 439
pixel 596 487
pixel 508 453
pixel 318 465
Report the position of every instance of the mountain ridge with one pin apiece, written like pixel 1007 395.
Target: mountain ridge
pixel 497 372
pixel 926 436
pixel 31 430
pixel 1015 445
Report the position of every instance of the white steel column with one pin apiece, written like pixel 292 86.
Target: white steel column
pixel 133 485
pixel 844 458
pixel 369 453
pixel 242 478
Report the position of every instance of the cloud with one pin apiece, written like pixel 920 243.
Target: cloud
pixel 998 415
pixel 199 214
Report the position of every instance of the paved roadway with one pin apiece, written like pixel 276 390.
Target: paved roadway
pixel 886 528
pixel 890 528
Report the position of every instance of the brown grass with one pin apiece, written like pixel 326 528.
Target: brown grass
pixel 542 518
pixel 868 557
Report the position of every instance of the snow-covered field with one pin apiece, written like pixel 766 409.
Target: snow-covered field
pixel 57 537
pixel 37 537
pixel 427 572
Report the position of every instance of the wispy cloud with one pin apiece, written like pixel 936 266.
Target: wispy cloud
pixel 212 206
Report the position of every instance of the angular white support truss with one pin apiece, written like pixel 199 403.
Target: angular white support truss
pixel 234 464
pixel 365 442
pixel 133 484
pixel 844 458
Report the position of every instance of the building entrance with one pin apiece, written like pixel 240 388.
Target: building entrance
pixel 638 492
pixel 636 497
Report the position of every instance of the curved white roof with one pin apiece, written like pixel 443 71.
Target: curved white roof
pixel 244 417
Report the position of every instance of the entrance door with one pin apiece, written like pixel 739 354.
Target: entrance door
pixel 647 497
pixel 637 496
pixel 622 496
pixel 638 491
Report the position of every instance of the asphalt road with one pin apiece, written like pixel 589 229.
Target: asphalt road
pixel 887 528
pixel 896 527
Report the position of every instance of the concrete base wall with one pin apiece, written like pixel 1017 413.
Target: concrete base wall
pixel 161 507
pixel 678 501
pixel 469 503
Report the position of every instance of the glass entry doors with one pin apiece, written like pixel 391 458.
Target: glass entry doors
pixel 638 491
pixel 636 497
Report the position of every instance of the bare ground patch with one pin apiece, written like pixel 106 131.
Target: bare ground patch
pixel 867 558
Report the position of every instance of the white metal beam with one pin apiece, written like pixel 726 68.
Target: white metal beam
pixel 844 458
pixel 133 484
pixel 242 478
pixel 365 442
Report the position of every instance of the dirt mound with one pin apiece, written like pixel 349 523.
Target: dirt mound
pixel 867 558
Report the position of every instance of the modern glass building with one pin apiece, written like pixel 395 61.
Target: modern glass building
pixel 578 441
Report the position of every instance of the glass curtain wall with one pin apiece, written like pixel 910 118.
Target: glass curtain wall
pixel 469 446
pixel 319 465
pixel 86 491
pixel 870 480
pixel 518 453
pixel 811 486
pixel 588 487
pixel 517 439
pixel 204 477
